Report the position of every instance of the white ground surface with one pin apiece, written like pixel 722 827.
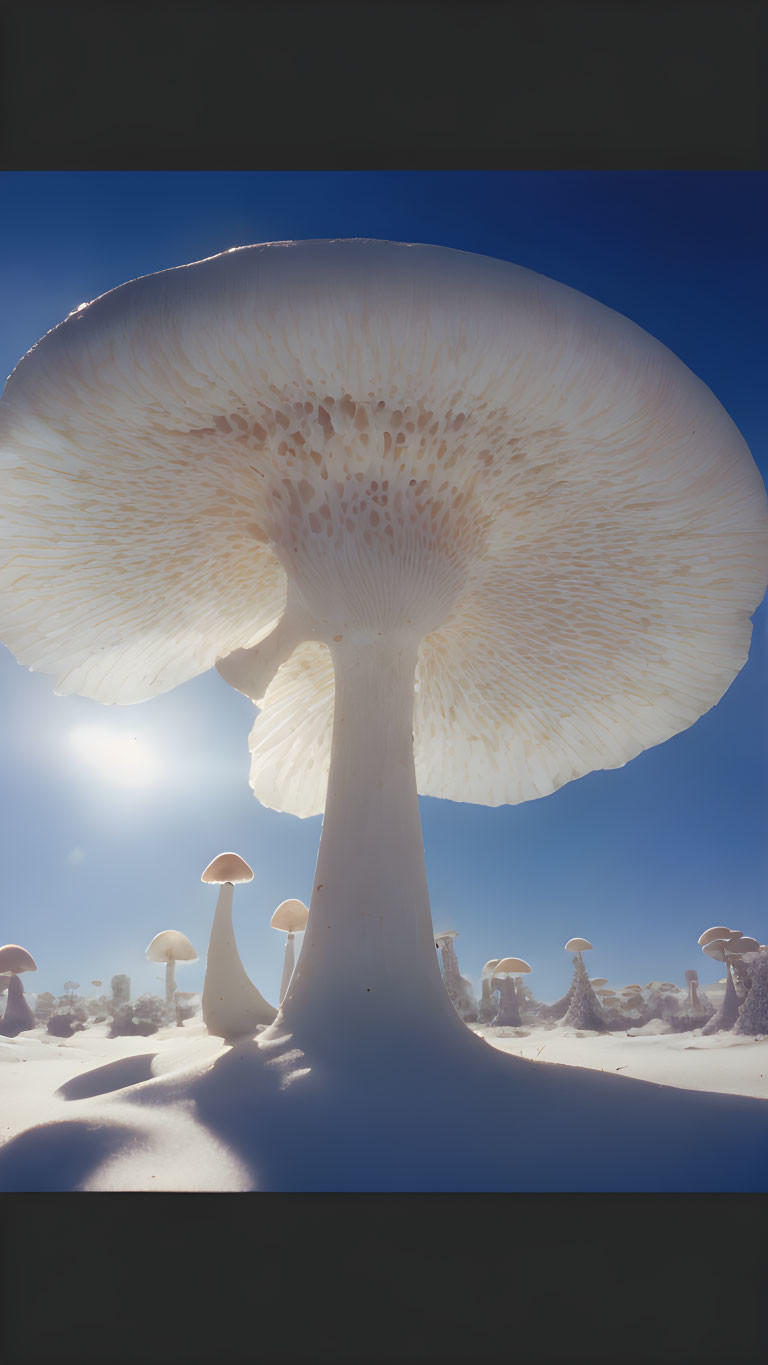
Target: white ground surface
pixel 726 1062
pixel 180 1110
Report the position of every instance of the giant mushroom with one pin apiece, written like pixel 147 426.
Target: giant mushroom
pixel 456 528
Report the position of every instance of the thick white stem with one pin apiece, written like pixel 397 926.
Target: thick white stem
pixel 288 964
pixel 368 965
pixel 232 1005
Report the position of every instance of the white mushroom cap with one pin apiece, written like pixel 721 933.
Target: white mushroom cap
pixel 490 966
pixel 169 946
pixel 719 931
pixel 598 981
pixel 577 945
pixel 595 524
pixel 448 935
pixel 227 867
pixel 511 966
pixel 15 959
pixel 290 916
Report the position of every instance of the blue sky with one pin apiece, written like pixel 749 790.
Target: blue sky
pixel 640 859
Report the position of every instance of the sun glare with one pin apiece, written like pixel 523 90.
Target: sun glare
pixel 114 755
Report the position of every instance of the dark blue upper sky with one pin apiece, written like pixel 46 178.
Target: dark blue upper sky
pixel 640 859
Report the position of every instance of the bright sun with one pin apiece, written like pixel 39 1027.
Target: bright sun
pixel 115 755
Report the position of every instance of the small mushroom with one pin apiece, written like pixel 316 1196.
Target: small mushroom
pixel 232 1006
pixel 509 1006
pixel 578 945
pixel 170 946
pixel 290 918
pixel 18 1016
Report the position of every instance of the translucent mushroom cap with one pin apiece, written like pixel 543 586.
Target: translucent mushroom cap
pixel 577 945
pixel 509 966
pixel 291 916
pixel 169 946
pixel 227 867
pixel 490 966
pixel 592 518
pixel 15 959
pixel 598 981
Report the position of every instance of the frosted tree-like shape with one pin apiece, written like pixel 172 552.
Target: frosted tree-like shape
pixel 454 527
pixel 583 1011
pixel 457 986
pixel 753 1015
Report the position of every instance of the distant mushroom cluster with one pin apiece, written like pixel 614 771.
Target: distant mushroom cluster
pixel 231 1005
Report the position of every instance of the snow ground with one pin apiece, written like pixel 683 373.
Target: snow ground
pixel 180 1110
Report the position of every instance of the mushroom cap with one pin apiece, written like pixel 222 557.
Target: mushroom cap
pixel 598 981
pixel 719 931
pixel 735 946
pixel 291 917
pixel 448 934
pixel 716 949
pixel 507 966
pixel 227 867
pixel 490 966
pixel 169 946
pixel 97 983
pixel 15 959
pixel 577 945
pixel 597 522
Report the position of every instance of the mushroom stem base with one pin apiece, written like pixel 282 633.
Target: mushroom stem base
pixel 368 967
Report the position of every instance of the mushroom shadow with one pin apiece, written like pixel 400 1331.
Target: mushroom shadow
pixel 58 1156
pixel 104 1079
pixel 545 1127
